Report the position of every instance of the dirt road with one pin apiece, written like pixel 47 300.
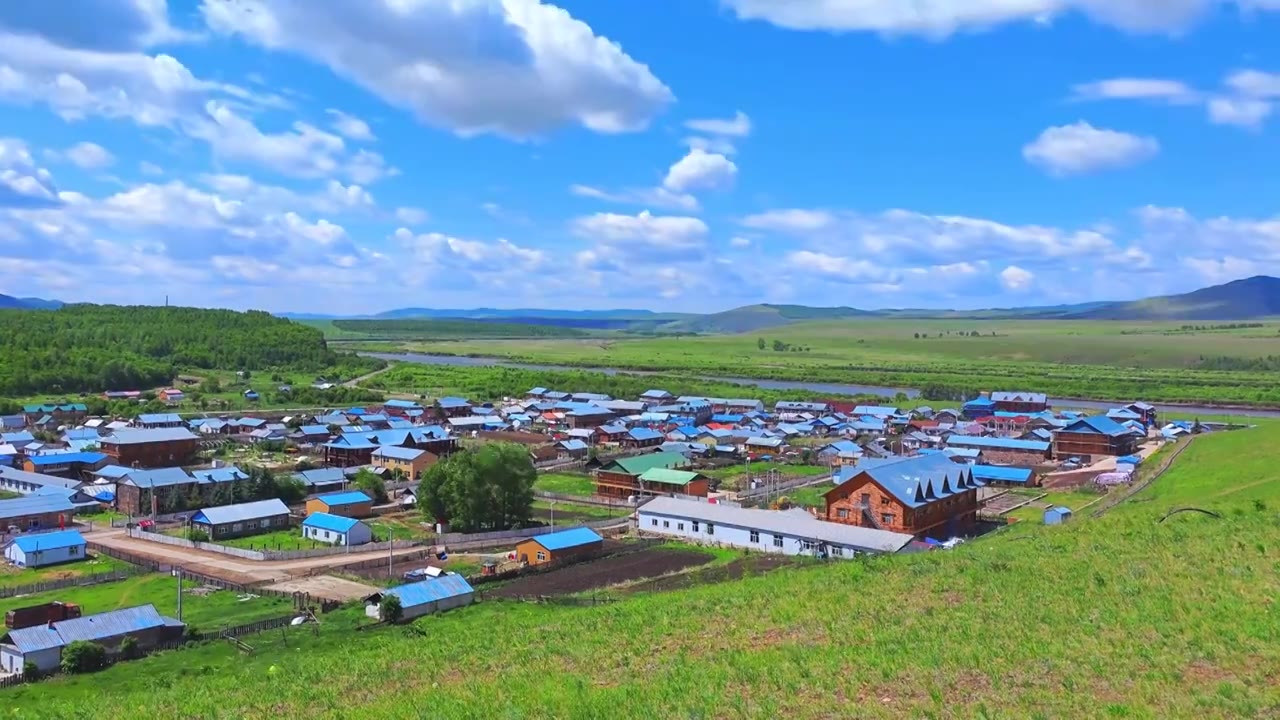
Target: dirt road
pixel 234 569
pixel 354 382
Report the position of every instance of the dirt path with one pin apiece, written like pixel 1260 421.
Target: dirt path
pixel 232 568
pixel 356 381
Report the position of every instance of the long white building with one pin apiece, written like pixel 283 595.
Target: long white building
pixel 790 532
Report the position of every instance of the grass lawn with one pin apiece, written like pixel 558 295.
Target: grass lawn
pixel 808 497
pixel 103 518
pixel 218 609
pixel 1074 499
pixel 734 477
pixel 1130 617
pixel 11 576
pixel 567 512
pixel 566 484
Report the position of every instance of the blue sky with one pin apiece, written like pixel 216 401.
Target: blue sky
pixel 358 155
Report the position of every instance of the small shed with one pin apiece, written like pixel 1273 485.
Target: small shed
pixel 558 546
pixel 335 530
pixel 352 503
pixel 1057 515
pixel 432 595
pixel 41 549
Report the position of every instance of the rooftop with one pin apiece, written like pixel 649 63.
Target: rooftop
pixel 399 453
pixel 915 481
pixel 238 513
pixel 564 539
pixel 332 523
pixel 33 505
pixel 665 476
pixel 431 590
pixel 997 443
pixel 150 435
pixel 350 497
pixel 49 541
pixel 640 463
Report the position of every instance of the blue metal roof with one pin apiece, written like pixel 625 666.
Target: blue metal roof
pixel 875 410
pixel 398 453
pixel 432 590
pixel 34 505
pixel 980 402
pixel 251 422
pixel 655 394
pixel 351 497
pixel 453 402
pixel 1096 424
pixel 49 541
pixel 159 477
pixel 87 458
pixel 158 418
pixel 915 481
pixel 80 434
pixel 323 476
pixel 643 434
pixel 844 446
pixel 332 523
pixel 1000 473
pixel 17 437
pixel 573 445
pixel 134 436
pixel 406 404
pixel 109 624
pixel 314 430
pixel 997 443
pixel 564 539
pixel 240 512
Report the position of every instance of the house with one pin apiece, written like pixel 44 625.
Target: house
pixel 875 411
pixel 215 426
pixel 589 417
pixel 1004 451
pixel 352 503
pixel 425 597
pixel 558 546
pixel 451 407
pixel 841 452
pixel 322 480
pixel 946 416
pixel 788 532
pixel 335 530
pixel 571 449
pixel 355 448
pixel 24 482
pixel 794 408
pixel 1057 515
pixel 122 395
pixel 41 645
pixel 171 396
pixel 758 446
pixel 640 437
pixel 743 406
pixel 1096 435
pixel 1005 475
pixel 408 463
pixel 400 408
pixel 923 495
pixel 41 549
pixel 35 512
pixel 313 433
pixel 251 518
pixel 663 481
pixel 1146 411
pixel 73 465
pixel 158 420
pixel 979 407
pixel 60 412
pixel 1020 402
pixel 150 448
pixel 19 440
pixel 621 478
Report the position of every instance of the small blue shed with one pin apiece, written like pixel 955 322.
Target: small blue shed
pixel 1057 515
pixel 41 549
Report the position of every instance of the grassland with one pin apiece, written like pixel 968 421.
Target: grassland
pixel 1099 359
pixel 12 576
pixel 205 612
pixel 1116 616
pixel 566 484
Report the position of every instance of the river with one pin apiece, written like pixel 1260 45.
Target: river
pixel 817 387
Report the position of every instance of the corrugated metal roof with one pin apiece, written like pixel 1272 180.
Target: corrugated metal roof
pixel 240 512
pixel 644 434
pixel 323 476
pixel 49 541
pixel 101 626
pixel 638 464
pixel 917 480
pixel 137 436
pixel 87 458
pixel 34 505
pixel 1001 473
pixel 159 477
pixel 1098 424
pixel 779 522
pixel 36 478
pixel 432 590
pixel 666 476
pixel 565 539
pixel 351 497
pixel 157 418
pixel 999 443
pixel 398 453
pixel 333 523
pixel 573 445
pixel 1027 397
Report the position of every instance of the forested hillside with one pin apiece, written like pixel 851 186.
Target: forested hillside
pixel 92 348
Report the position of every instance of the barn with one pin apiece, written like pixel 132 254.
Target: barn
pixel 426 597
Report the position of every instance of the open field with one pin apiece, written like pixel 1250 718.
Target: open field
pixel 602 573
pixel 566 484
pixel 567 512
pixel 11 576
pixel 1120 615
pixel 221 608
pixel 1103 359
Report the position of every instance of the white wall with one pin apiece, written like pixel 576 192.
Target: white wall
pixel 13 661
pixel 730 535
pixel 40 558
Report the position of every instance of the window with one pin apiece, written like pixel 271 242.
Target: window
pixel 777 541
pixel 805 544
pixel 236 527
pixel 655 522
pixel 837 551
pixel 884 501
pixel 695 526
pixel 73 550
pixel 711 529
pixel 842 513
pixel 666 524
pixel 755 536
pixel 542 557
pixel 680 527
pixel 326 534
pixel 866 498
pixel 886 518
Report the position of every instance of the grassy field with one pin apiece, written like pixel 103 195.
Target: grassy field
pixel 1117 616
pixel 218 609
pixel 11 576
pixel 1114 360
pixel 1073 499
pixel 567 512
pixel 734 477
pixel 566 484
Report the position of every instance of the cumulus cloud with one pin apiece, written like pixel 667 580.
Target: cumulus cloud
pixel 941 19
pixel 653 231
pixel 1016 279
pixel 1081 148
pixel 23 184
pixel 738 126
pixel 88 156
pixel 411 215
pixel 350 126
pixel 700 170
pixel 519 68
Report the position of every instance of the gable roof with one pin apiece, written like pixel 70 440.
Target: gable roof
pixel 86 458
pixel 49 541
pixel 1000 473
pixel 914 481
pixel 158 477
pixel 1096 424
pixel 643 434
pixel 564 539
pixel 638 464
pixel 430 590
pixel 101 626
pixel 1026 397
pixel 332 523
pixel 223 514
pixel 350 497
pixel 998 443
pixel 135 436
pixel 34 505
pixel 666 476
pixel 399 453
pixel 573 445
pixel 156 418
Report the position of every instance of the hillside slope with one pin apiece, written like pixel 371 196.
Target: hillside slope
pixel 1246 299
pixel 1120 616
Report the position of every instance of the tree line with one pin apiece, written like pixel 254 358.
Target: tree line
pixel 91 348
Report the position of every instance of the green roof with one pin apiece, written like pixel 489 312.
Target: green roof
pixel 639 464
pixel 668 477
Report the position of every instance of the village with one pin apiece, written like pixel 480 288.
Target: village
pixel 626 491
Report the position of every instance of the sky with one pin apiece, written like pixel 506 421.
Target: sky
pixel 353 156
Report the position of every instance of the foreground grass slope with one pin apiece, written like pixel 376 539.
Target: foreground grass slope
pixel 1117 616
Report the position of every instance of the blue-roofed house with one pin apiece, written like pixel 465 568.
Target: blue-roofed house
pixel 1093 436
pixel 335 530
pixel 840 452
pixel 399 407
pixel 74 465
pixel 978 407
pixel 405 462
pixel 876 411
pixel 1004 451
pixel 640 437
pixel 38 511
pixel 1005 475
pixel 922 495
pixel 433 595
pixel 41 549
pixel 20 439
pixel 159 420
pixel 453 406
pixel 792 407
pixel 322 480
pixel 251 518
pixel 351 503
pixel 313 433
pixel 571 449
pixel 558 546
pixel 41 645
pixel 656 396
pixel 1020 402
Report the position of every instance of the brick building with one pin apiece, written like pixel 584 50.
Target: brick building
pixel 35 512
pixel 152 448
pixel 1020 402
pixel 1004 451
pixel 172 489
pixel 1091 436
pixel 924 496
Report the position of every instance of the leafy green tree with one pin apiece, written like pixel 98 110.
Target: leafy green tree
pixel 372 485
pixel 81 656
pixel 390 610
pixel 760 343
pixel 290 490
pixel 489 487
pixel 129 649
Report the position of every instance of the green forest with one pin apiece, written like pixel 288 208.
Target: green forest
pixel 91 348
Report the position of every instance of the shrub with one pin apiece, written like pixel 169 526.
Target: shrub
pixel 197 535
pixel 30 672
pixel 129 649
pixel 390 610
pixel 83 657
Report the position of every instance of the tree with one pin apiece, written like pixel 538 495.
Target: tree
pixel 129 649
pixel 779 346
pixel 82 657
pixel 371 484
pixel 30 671
pixel 389 609
pixel 760 343
pixel 917 335
pixel 290 490
pixel 486 488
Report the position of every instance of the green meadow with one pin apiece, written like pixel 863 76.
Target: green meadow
pixel 1120 615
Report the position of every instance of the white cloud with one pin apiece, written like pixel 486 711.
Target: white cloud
pixel 350 126
pixel 667 232
pixel 1242 112
pixel 1081 148
pixel 791 220
pixel 740 242
pixel 700 170
pixel 23 184
pixel 658 197
pixel 148 168
pixel 711 144
pixel 1246 98
pixel 737 126
pixel 1016 279
pixel 1173 91
pixel 98 24
pixel 411 215
pixel 1255 83
pixel 940 18
pixel 839 269
pixel 89 156
pixel 518 68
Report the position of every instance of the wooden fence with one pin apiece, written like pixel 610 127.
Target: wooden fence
pixel 261 555
pixel 81 581
pixel 1113 499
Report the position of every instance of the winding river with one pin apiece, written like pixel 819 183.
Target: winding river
pixel 817 387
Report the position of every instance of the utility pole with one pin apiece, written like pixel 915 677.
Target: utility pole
pixel 178 574
pixel 552 503
pixel 391 544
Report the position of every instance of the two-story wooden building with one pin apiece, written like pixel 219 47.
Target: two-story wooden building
pixel 1092 436
pixel 621 478
pixel 1020 402
pixel 407 462
pixel 352 449
pixel 151 448
pixel 923 495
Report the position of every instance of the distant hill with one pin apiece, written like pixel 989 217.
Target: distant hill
pixel 1246 299
pixel 759 317
pixel 8 302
